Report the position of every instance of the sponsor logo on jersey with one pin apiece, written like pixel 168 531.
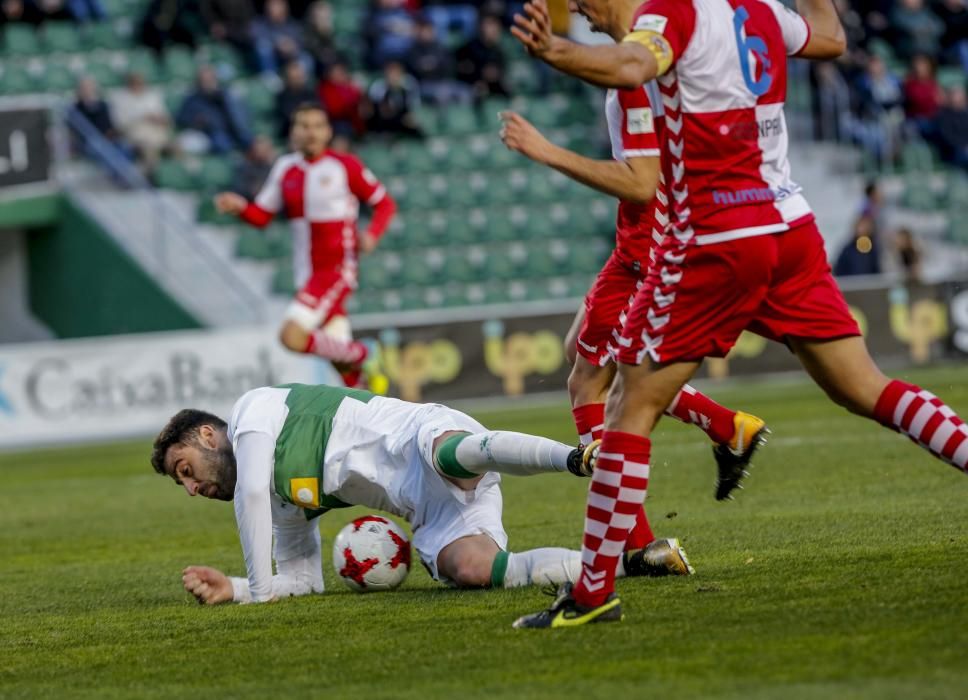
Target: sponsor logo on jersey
pixel 753 194
pixel 651 23
pixel 639 120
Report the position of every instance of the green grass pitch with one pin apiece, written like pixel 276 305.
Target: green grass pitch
pixel 840 572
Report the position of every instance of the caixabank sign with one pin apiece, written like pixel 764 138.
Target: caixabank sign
pixel 105 388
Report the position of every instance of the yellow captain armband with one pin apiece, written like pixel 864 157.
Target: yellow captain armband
pixel 657 44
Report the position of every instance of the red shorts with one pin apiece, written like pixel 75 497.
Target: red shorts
pixel 696 301
pixel 606 306
pixel 323 296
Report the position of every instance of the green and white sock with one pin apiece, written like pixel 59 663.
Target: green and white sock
pixel 468 455
pixel 547 565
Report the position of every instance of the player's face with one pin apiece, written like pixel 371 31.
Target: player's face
pixel 204 467
pixel 595 11
pixel 311 132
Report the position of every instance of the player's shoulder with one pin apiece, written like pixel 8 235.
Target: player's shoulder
pixel 347 160
pixel 654 15
pixel 259 410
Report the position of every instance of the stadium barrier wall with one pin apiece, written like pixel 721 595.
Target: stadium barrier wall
pixel 121 386
pixel 125 386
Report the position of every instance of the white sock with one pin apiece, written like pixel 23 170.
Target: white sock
pixel 547 565
pixel 511 453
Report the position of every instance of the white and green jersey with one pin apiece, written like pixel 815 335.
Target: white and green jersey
pixel 301 450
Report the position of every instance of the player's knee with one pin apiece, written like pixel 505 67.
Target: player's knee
pixel 472 572
pixel 293 337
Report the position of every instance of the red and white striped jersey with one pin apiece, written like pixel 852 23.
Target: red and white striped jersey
pixel 726 136
pixel 634 127
pixel 321 198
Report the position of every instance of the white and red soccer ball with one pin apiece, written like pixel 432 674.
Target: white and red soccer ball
pixel 372 553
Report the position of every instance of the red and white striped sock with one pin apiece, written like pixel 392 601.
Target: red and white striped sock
pixel 925 419
pixel 691 406
pixel 590 422
pixel 335 349
pixel 615 496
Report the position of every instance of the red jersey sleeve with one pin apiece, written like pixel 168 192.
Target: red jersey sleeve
pixel 639 139
pixel 366 188
pixel 665 28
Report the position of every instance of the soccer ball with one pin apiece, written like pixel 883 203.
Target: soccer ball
pixel 372 553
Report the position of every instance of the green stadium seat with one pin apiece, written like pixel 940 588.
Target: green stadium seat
pixel 20 40
pixel 259 98
pixel 179 65
pixel 428 118
pixel 107 35
pixel 523 77
pixel 918 194
pixel 143 62
pixel 173 175
pixel 104 74
pixel 282 279
pixel 461 158
pixel 460 120
pixel 205 212
pixel 381 160
pixel 63 37
pixel 57 78
pixel 254 244
pixel 15 80
pixel 216 172
pixel 951 76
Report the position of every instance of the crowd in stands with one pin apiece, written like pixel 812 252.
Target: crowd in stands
pixel 416 53
pixel 886 89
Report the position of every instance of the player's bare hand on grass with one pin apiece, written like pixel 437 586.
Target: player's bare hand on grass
pixel 367 243
pixel 230 203
pixel 533 28
pixel 520 135
pixel 209 586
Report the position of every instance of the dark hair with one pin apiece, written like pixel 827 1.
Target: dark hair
pixel 870 188
pixel 309 107
pixel 181 429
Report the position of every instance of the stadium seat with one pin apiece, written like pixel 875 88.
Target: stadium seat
pixel 141 61
pixel 282 279
pixel 460 120
pixel 216 172
pixel 106 75
pixel 205 213
pixel 57 77
pixel 107 35
pixel 63 37
pixel 15 80
pixel 172 174
pixel 179 65
pixel 20 40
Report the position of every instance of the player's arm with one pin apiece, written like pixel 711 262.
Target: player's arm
pixel 368 189
pixel 826 37
pixel 634 179
pixel 625 65
pixel 267 203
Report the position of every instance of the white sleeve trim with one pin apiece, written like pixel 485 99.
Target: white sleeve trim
pixel 378 194
pixel 641 153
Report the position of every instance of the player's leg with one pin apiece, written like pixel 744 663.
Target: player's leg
pixel 462 456
pixel 846 372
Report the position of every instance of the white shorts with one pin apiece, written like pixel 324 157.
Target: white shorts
pixel 380 455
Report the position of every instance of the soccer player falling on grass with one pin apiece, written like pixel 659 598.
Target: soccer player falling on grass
pixel 290 453
pixel 743 250
pixel 634 176
pixel 319 191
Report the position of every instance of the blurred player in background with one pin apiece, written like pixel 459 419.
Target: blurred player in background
pixel 292 452
pixel 320 191
pixel 743 250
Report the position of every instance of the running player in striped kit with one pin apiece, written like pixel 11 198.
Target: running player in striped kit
pixel 633 176
pixel 320 191
pixel 743 250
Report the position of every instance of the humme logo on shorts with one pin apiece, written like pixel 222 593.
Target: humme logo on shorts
pixel 651 23
pixel 639 121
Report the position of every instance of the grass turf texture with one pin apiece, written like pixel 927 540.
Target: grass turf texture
pixel 838 572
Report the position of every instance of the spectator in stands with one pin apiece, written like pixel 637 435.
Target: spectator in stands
pixel 909 255
pixel 214 112
pixel 278 39
pixel 143 119
pixel 954 42
pixel 393 99
pixel 343 101
pixel 86 10
pixel 389 31
pixel 480 62
pixel 171 22
pixel 232 21
pixel 95 110
pixel 319 36
pixel 922 95
pixel 254 169
pixel 952 127
pixel 918 29
pixel 56 10
pixel 433 67
pixel 879 114
pixel 860 256
pixel 296 91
